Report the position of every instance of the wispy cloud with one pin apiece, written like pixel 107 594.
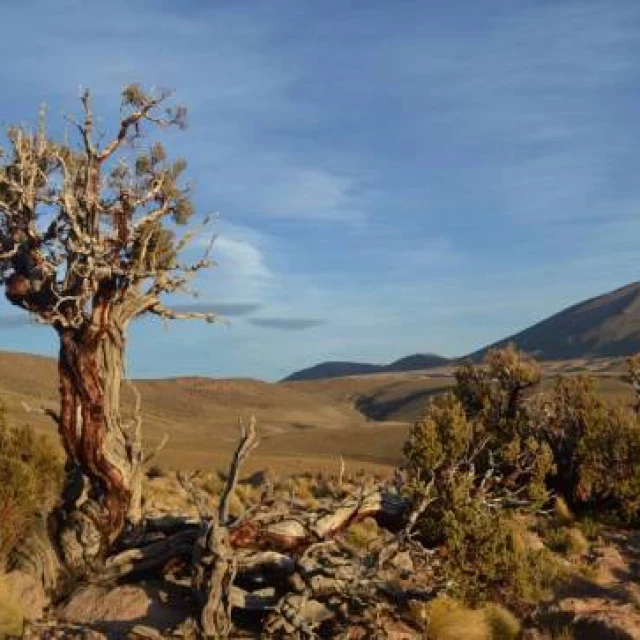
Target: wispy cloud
pixel 426 176
pixel 286 324
pixel 311 193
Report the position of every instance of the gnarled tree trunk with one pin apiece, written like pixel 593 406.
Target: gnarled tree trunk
pixel 104 453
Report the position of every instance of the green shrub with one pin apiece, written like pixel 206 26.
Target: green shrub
pixel 494 393
pixel 488 558
pixel 475 459
pixel 363 533
pixel 596 447
pixel 442 437
pixel 477 447
pixel 30 480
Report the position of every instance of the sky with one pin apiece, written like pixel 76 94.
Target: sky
pixel 385 178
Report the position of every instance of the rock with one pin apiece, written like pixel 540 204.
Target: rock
pixel 607 617
pixel 122 608
pixel 403 562
pixel 52 630
pixel 312 611
pixel 398 630
pixel 24 589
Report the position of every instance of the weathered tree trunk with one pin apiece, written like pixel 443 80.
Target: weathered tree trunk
pixel 104 454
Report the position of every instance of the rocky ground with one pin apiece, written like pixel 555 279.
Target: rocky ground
pixel 388 596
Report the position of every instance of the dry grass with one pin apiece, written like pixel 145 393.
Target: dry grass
pixel 503 624
pixel 11 614
pixel 305 426
pixel 448 619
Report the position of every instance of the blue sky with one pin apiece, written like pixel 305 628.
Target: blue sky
pixel 389 177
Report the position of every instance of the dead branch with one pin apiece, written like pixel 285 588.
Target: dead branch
pixel 247 443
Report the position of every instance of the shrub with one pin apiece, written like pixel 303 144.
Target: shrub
pixel 445 618
pixel 596 446
pixel 487 558
pixel 476 448
pixel 568 541
pixel 503 624
pixel 474 460
pixel 443 436
pixel 363 533
pixel 561 512
pixel 494 392
pixel 30 481
pixel 448 619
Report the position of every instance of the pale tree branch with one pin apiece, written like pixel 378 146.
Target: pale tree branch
pixel 159 309
pixel 247 443
pixel 131 121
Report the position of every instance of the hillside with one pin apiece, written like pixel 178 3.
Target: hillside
pixel 605 326
pixel 299 430
pixel 414 362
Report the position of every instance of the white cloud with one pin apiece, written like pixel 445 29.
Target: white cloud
pixel 311 193
pixel 241 274
pixel 240 259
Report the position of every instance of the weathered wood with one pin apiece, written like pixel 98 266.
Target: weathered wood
pixel 215 561
pixel 149 557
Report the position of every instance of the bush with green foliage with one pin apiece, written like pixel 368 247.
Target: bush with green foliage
pixel 478 446
pixel 492 449
pixel 596 447
pixel 30 480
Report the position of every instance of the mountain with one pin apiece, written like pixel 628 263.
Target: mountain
pixel 333 370
pixel 340 369
pixel 607 325
pixel 416 362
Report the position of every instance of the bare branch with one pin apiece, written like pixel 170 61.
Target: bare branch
pixel 168 314
pixel 247 443
pixel 129 122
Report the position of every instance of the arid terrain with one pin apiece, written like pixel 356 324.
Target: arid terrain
pixel 306 425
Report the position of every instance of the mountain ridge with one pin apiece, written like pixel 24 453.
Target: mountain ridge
pixel 607 325
pixel 338 369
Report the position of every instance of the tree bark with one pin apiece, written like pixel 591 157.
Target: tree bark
pixel 104 454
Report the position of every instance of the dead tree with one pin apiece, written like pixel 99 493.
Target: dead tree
pixel 90 240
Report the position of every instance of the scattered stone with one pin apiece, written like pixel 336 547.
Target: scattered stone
pixel 403 562
pixel 611 619
pixel 119 608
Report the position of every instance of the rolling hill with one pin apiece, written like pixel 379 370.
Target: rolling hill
pixel 299 430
